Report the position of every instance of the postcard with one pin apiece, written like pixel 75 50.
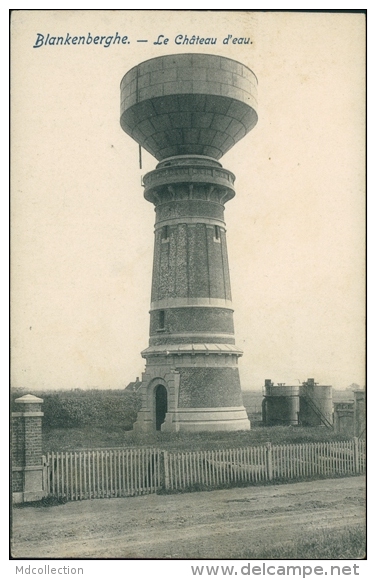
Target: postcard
pixel 187 287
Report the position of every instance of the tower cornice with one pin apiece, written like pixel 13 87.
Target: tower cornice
pixel 161 184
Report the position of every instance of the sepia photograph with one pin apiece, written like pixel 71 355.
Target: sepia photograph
pixel 187 225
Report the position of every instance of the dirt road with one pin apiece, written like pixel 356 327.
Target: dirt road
pixel 217 524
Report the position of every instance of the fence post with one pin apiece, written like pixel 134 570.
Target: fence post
pixel 166 469
pixel 269 462
pixel 27 461
pixel 356 454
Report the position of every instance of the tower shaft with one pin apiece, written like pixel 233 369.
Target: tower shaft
pixel 192 350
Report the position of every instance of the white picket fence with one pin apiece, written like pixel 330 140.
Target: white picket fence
pixel 212 468
pixel 103 473
pixel 129 472
pixel 318 459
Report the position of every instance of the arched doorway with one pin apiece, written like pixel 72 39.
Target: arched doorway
pixel 160 406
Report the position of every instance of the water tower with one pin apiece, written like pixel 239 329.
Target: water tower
pixel 188 110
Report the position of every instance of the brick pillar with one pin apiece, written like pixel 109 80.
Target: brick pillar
pixel 360 413
pixel 27 464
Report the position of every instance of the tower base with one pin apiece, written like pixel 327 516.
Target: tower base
pixel 196 420
pixel 163 392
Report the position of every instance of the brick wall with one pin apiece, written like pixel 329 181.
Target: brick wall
pixel 33 440
pixel 191 263
pixel 18 441
pixel 189 208
pixel 209 387
pixel 193 319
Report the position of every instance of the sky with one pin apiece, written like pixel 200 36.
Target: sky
pixel 82 233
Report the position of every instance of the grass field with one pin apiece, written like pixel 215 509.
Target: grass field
pixel 349 543
pixel 66 439
pixel 89 419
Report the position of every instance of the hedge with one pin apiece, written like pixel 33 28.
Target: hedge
pixel 77 408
